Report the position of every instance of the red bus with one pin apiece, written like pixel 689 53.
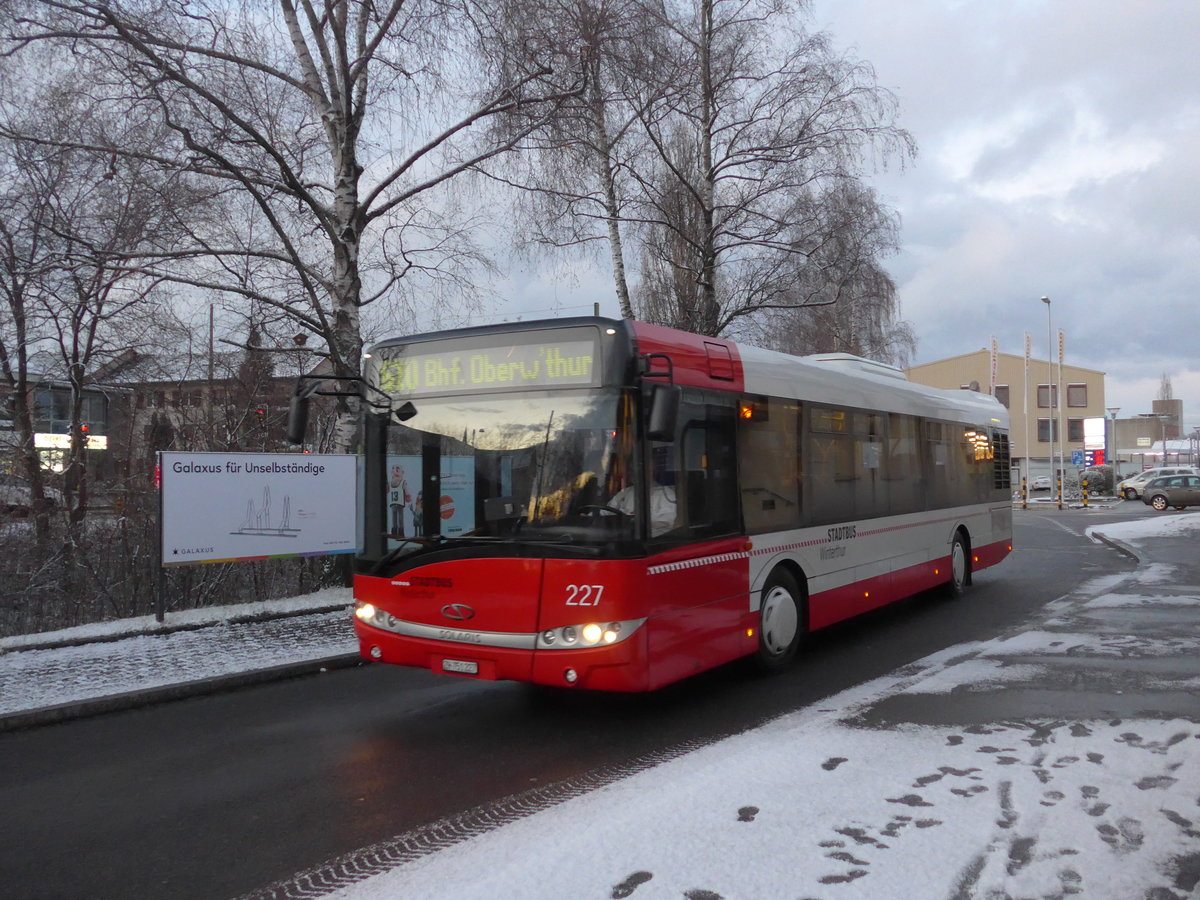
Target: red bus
pixel 612 505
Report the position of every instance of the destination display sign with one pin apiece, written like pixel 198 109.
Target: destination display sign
pixel 451 369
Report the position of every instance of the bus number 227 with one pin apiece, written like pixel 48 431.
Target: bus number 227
pixel 584 594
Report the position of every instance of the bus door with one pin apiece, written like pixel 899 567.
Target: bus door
pixel 702 591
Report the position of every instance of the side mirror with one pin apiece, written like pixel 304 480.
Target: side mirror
pixel 664 412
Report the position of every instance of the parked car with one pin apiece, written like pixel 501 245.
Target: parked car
pixel 16 495
pixel 1041 483
pixel 1131 488
pixel 1179 491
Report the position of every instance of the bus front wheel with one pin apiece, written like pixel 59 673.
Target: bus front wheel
pixel 780 622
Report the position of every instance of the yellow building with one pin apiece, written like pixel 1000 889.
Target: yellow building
pixel 1032 402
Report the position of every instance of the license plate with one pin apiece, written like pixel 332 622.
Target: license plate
pixel 461 666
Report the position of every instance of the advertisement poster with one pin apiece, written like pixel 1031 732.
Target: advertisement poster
pixel 406 500
pixel 221 507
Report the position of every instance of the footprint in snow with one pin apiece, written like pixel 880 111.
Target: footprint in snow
pixel 909 800
pixel 629 885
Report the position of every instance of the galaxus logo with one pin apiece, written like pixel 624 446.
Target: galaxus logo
pixel 460 612
pixel 191 551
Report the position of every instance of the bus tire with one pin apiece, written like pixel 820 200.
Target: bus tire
pixel 960 566
pixel 780 622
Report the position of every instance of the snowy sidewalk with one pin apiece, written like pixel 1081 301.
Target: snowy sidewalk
pixel 116 665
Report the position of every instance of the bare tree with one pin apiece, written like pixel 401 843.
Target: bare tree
pixel 25 263
pixel 750 151
pixel 332 126
pixel 573 174
pixel 842 300
pixel 88 213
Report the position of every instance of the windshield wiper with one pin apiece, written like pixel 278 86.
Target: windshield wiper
pixel 438 542
pixel 524 538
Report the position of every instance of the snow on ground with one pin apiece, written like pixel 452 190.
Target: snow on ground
pixel 92 661
pixel 34 679
pixel 808 807
pixel 818 805
pixel 322 599
pixel 1166 526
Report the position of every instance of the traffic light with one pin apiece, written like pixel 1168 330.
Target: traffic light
pixel 261 413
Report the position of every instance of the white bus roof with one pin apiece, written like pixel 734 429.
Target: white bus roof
pixel 845 380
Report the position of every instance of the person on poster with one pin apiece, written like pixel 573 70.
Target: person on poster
pixel 417 510
pixel 398 499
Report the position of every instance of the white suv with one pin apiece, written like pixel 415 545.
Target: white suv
pixel 1131 488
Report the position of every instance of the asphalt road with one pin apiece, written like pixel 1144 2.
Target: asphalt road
pixel 217 796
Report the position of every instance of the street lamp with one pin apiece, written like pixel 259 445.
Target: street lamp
pixel 1051 387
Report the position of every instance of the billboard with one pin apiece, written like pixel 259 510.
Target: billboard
pixel 222 507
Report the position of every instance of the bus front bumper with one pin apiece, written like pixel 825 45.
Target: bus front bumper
pixel 619 667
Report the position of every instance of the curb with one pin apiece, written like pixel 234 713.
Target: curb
pixel 95 706
pixel 1120 547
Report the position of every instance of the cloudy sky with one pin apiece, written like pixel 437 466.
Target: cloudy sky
pixel 1059 156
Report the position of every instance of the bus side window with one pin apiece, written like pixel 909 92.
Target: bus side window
pixel 904 464
pixel 707 480
pixel 768 453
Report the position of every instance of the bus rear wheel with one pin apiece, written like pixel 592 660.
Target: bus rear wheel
pixel 780 621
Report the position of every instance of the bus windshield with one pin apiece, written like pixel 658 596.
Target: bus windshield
pixel 530 466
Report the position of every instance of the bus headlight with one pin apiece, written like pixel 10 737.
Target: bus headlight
pixel 371 614
pixel 589 634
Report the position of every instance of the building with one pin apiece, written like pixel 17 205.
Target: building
pixel 219 402
pixel 1155 438
pixel 1032 400
pixel 50 399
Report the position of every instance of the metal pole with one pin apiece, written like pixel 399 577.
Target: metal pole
pixel 1050 396
pixel 1025 414
pixel 1110 446
pixel 1062 438
pixel 160 594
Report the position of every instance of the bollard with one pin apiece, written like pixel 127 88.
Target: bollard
pixel 1024 492
pixel 1083 483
